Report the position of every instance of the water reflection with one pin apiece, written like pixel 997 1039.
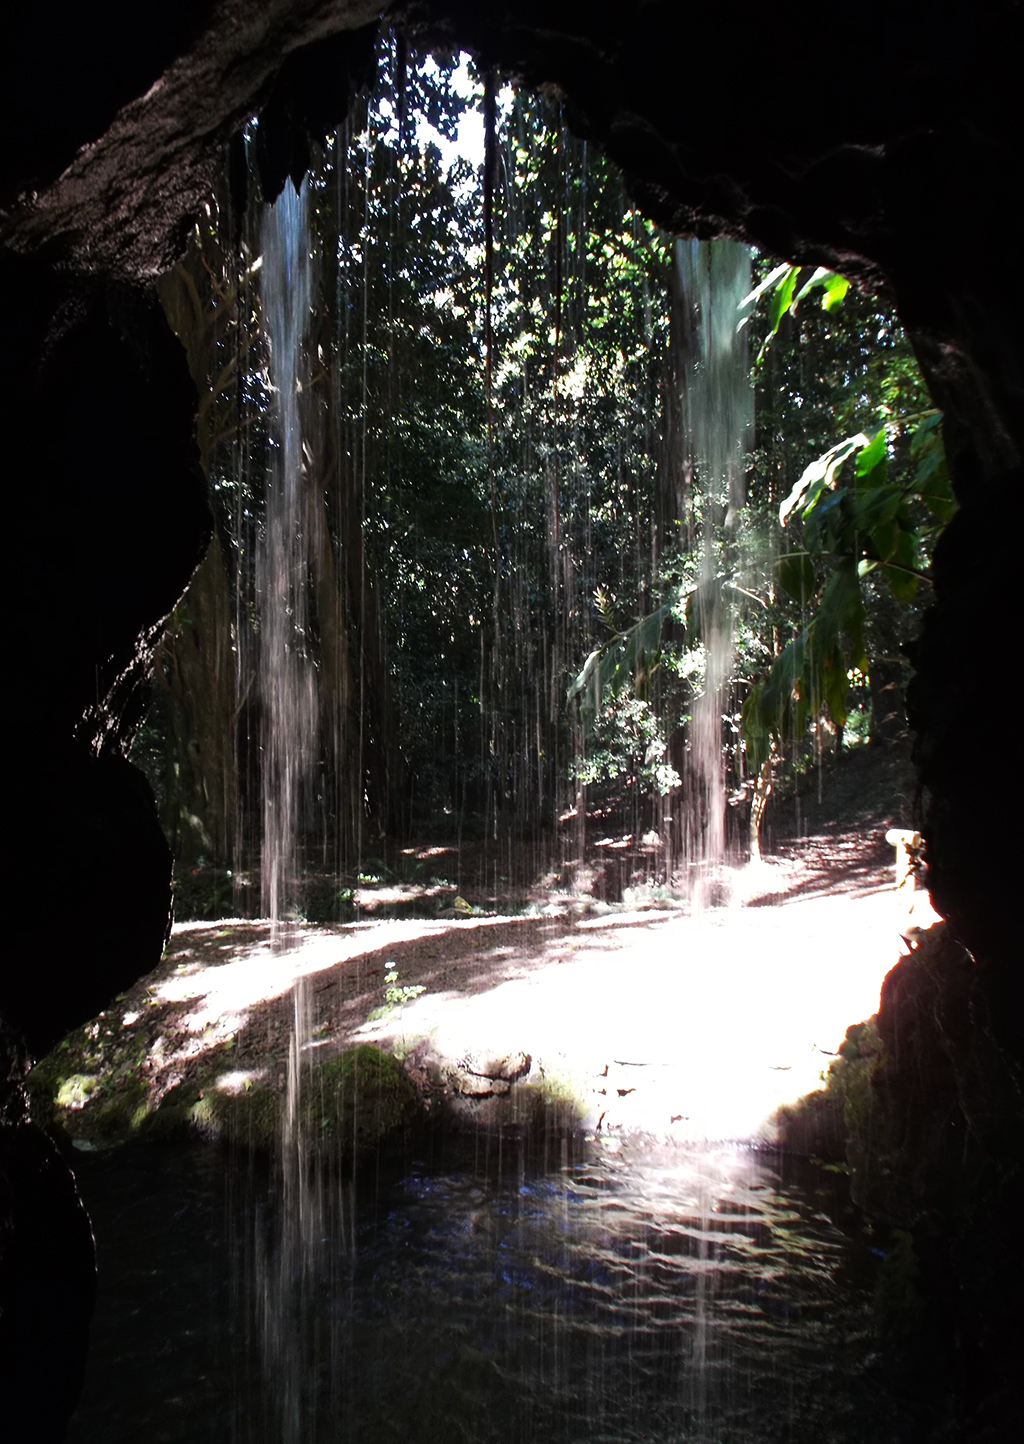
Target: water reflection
pixel 474 1293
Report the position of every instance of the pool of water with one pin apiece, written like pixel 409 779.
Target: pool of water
pixel 468 1291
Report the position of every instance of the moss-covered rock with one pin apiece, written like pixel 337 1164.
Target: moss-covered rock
pixel 929 1105
pixel 351 1101
pixel 95 1110
pixel 249 1116
pixel 813 1126
pixel 348 1102
pixel 55 1086
pixel 822 1123
pixel 119 1111
pixel 548 1104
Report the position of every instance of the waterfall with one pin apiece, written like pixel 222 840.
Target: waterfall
pixel 285 667
pixel 290 1265
pixel 715 277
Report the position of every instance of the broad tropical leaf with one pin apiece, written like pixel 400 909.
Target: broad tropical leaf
pixel 813 670
pixel 820 476
pixel 834 286
pixel 619 661
pixel 870 468
pixel 931 474
pixel 795 573
pixel 784 298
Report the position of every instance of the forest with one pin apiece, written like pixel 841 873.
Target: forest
pixel 517 536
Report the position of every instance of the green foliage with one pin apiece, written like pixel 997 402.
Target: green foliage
pixel 352 1101
pixel 872 519
pixel 861 520
pixel 627 745
pixel 396 994
pixel 931 474
pixel 324 900
pixel 92 1087
pixel 202 892
pixel 784 299
pixel 795 573
pixel 855 519
pixel 501 454
pixel 820 1124
pixel 831 579
pixel 811 672
pixel 626 659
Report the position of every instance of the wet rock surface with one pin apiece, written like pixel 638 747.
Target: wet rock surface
pixel 47 1268
pixel 923 1104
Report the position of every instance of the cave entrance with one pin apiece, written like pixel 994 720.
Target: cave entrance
pixel 517 543
pixel 458 713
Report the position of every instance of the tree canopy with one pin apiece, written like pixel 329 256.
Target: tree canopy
pixel 509 584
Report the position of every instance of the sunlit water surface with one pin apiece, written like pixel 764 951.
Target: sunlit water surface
pixel 467 1292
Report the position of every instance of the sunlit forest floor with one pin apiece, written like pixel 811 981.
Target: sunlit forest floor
pixel 645 1015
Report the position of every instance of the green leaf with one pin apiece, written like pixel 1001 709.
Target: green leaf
pixel 794 572
pixel 583 678
pixel 769 281
pixel 931 474
pixel 905 557
pixel 820 475
pixel 937 495
pixel 834 285
pixel 777 707
pixel 840 613
pixel 875 513
pixel 703 606
pixel 836 288
pixel 829 528
pixel 785 297
pixel 872 457
pixel 929 425
pixel 782 298
pixel 817 278
pixel 885 538
pixel 757 737
pixel 835 686
pixel 629 657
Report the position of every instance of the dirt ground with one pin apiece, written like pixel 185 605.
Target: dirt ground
pixel 647 1015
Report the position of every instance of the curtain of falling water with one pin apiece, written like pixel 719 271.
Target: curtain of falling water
pixel 715 277
pixel 289 711
pixel 290 1269
pixel 285 667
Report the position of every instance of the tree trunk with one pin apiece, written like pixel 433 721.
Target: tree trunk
pixel 759 801
pixel 888 714
pixel 339 689
pixel 195 668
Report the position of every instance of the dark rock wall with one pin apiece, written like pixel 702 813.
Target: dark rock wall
pixel 106 519
pixel 937 1147
pixel 122 197
pixel 923 1103
pixel 47 1273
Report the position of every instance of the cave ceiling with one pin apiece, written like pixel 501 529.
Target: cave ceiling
pixel 817 135
pixel 880 140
